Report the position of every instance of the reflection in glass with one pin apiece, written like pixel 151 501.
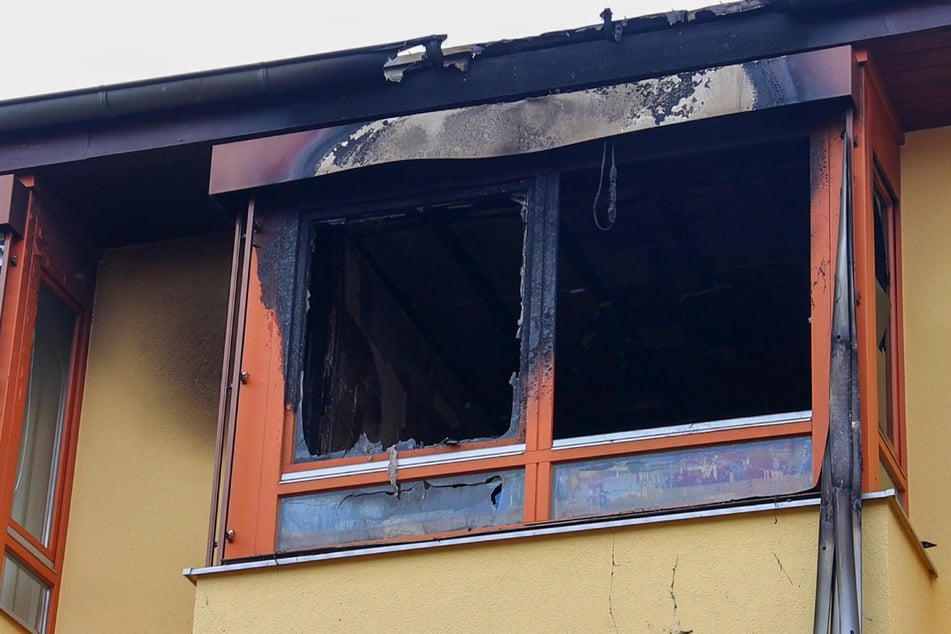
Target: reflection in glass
pixel 421 507
pixel 34 488
pixel 685 477
pixel 884 300
pixel 23 595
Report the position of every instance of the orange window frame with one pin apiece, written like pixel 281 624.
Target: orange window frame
pixel 264 423
pixel 46 254
pixel 879 136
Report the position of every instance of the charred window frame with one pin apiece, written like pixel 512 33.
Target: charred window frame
pixel 744 233
pixel 780 201
pixel 412 326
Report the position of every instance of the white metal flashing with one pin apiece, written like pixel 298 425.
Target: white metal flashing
pixel 287 560
pixel 404 463
pixel 683 430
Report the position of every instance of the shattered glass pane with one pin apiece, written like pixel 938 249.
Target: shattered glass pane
pixel 421 507
pixel 695 305
pixel 687 477
pixel 411 332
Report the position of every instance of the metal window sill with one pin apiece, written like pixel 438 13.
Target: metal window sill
pixel 521 533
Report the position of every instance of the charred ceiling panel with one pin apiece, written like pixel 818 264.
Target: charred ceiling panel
pixel 538 124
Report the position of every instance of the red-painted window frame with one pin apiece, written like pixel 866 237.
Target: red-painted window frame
pixel 47 253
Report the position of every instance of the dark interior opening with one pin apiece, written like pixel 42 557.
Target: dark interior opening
pixel 411 329
pixel 695 305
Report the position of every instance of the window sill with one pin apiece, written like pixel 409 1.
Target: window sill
pixel 521 533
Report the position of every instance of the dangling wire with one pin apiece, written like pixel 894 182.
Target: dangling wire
pixel 612 190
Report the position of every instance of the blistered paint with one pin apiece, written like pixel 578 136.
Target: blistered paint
pixel 535 124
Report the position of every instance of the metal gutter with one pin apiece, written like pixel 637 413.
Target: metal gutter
pixel 193 89
pixel 561 529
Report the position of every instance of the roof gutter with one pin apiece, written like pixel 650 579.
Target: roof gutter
pixel 194 89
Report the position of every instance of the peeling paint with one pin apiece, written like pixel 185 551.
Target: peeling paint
pixel 536 124
pixel 542 123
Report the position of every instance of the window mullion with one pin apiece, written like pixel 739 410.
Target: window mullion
pixel 538 347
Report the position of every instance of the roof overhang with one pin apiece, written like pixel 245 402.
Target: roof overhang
pixel 539 123
pixel 503 71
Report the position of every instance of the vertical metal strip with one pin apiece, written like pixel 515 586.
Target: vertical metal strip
pixel 855 486
pixel 235 377
pixel 838 581
pixel 824 567
pixel 223 395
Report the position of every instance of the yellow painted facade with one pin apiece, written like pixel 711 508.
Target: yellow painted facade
pixel 753 573
pixel 139 510
pixel 926 236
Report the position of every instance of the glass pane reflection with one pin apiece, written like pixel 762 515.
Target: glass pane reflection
pixel 437 505
pixel 34 488
pixel 23 595
pixel 686 477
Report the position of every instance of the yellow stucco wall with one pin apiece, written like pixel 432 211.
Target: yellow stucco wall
pixel 926 260
pixel 748 573
pixel 142 482
pixel 926 269
pixel 742 573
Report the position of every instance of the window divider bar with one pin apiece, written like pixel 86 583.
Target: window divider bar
pixel 683 430
pixel 235 377
pixel 223 396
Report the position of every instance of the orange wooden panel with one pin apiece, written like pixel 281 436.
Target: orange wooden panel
pixel 877 160
pixel 252 505
pixel 826 156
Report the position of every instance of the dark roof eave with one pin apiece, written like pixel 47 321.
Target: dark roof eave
pixel 504 71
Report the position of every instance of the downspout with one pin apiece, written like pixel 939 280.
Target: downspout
pixel 838 584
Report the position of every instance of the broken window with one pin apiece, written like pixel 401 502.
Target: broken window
pixel 448 348
pixel 694 306
pixel 411 329
pixel 408 509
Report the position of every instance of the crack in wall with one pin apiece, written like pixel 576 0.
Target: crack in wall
pixel 673 578
pixel 783 569
pixel 611 589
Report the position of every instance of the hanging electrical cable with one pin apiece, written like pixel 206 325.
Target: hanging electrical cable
pixel 612 190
